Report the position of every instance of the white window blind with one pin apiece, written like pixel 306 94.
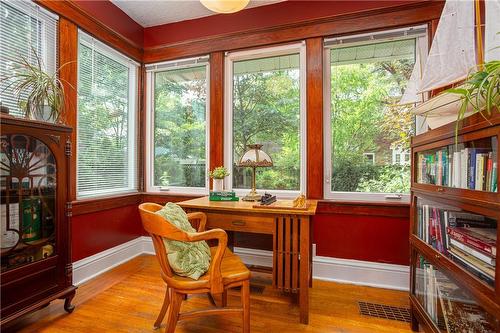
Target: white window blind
pixel 26 29
pixel 107 88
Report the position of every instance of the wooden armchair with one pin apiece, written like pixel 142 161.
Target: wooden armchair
pixel 226 269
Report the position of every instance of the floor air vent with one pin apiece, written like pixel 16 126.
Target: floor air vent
pixel 384 311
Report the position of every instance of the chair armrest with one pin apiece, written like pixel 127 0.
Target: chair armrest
pixel 216 285
pixel 201 217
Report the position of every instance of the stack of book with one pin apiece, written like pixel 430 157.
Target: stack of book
pixel 475 248
pixel 223 196
pixel 468 239
pixel 469 168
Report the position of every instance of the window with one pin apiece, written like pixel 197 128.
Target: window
pixel 366 79
pixel 265 92
pixel 107 118
pixel 370 158
pixel 178 114
pixel 26 31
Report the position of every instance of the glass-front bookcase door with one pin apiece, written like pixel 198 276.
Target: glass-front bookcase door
pixel 450 307
pixel 28 181
pixel 469 239
pixel 471 165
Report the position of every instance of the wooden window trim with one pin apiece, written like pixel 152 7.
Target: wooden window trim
pixel 72 17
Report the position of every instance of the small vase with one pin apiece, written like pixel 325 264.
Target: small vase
pixel 218 185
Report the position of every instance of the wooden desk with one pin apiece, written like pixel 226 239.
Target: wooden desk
pixel 291 230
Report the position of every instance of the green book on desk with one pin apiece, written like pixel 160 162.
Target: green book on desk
pixel 230 194
pixel 223 196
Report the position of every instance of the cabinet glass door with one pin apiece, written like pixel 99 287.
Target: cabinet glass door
pixel 467 165
pixel 468 239
pixel 451 307
pixel 28 200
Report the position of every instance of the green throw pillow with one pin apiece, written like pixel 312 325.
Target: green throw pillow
pixel 190 259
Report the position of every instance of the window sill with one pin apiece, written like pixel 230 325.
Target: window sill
pixel 96 204
pixel 403 202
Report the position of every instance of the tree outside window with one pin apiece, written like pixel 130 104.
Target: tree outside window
pixel 266 110
pixel 180 125
pixel 366 84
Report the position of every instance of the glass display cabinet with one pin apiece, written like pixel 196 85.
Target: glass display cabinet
pixel 455 209
pixel 35 229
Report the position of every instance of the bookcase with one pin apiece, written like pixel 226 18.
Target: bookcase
pixel 35 216
pixel 455 209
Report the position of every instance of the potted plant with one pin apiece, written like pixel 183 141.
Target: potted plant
pixel 41 95
pixel 480 92
pixel 218 174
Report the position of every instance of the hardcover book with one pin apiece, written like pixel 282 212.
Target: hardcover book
pixel 483 239
pixel 489 270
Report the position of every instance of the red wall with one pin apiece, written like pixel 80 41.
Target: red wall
pixel 96 232
pixel 115 18
pixel 260 17
pixel 360 237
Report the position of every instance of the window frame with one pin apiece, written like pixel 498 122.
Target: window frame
pixel 149 135
pixel 132 118
pixel 266 52
pixel 419 123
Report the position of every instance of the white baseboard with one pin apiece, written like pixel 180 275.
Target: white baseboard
pixel 88 268
pixel 255 257
pixel 350 271
pixel 364 273
pixel 357 272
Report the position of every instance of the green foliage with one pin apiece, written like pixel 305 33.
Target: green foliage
pixel 348 173
pixel 180 125
pixel 266 110
pixel 388 179
pixel 219 173
pixel 481 91
pixel 365 119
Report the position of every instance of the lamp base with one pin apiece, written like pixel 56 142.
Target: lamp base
pixel 252 196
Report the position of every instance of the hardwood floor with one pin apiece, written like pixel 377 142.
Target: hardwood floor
pixel 128 299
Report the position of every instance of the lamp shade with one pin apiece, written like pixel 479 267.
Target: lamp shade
pixel 225 6
pixel 255 157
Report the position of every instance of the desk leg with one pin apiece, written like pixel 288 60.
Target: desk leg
pixel 304 270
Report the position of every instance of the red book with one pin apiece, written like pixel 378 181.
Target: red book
pixel 482 239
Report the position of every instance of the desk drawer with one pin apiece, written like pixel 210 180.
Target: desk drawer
pixel 244 223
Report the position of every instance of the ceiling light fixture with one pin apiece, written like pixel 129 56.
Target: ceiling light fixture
pixel 225 6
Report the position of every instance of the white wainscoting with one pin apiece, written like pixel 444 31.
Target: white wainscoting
pixel 357 272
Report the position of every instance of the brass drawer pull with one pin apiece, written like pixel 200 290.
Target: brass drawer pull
pixel 238 223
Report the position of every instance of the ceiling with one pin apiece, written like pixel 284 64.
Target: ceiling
pixel 149 13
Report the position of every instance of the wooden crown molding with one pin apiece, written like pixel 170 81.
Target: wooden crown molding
pixel 74 13
pixel 367 20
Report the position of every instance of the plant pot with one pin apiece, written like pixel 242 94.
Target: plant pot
pixel 45 114
pixel 218 184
